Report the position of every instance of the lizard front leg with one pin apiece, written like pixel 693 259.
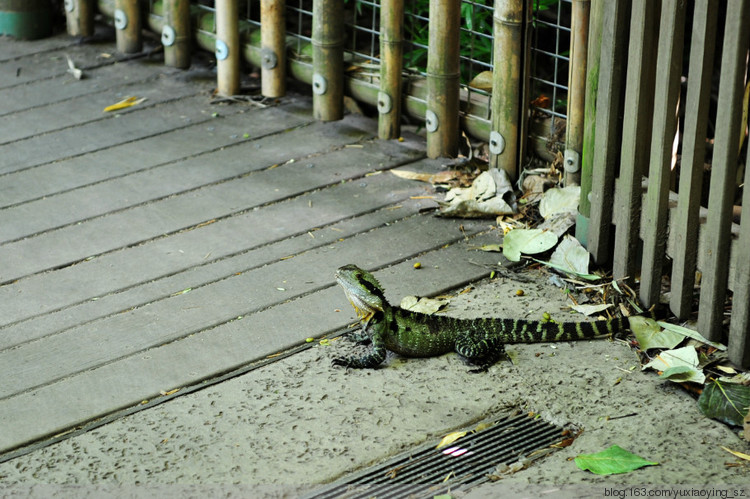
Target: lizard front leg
pixel 377 353
pixel 363 336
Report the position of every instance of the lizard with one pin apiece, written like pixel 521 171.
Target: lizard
pixel 413 334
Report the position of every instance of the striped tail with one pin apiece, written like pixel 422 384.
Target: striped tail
pixel 523 331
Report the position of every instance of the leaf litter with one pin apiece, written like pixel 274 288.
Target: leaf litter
pixel 537 222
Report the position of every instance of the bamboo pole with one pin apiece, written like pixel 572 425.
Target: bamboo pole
pixel 175 35
pixel 128 26
pixel 79 15
pixel 273 47
pixel 227 47
pixel 506 85
pixel 576 91
pixel 441 118
pixel 391 64
pixel 328 59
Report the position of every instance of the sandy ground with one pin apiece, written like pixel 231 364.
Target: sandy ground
pixel 298 422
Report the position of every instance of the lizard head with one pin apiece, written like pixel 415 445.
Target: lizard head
pixel 362 289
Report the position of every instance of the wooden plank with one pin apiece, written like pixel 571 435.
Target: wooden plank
pixel 121 192
pixel 130 285
pixel 76 243
pixel 15 49
pixel 161 257
pixel 636 137
pixel 56 407
pixel 63 87
pixel 142 121
pixel 205 134
pixel 738 345
pixel 684 225
pixel 44 63
pixel 667 93
pixel 723 171
pixel 240 294
pixel 615 23
pixel 88 109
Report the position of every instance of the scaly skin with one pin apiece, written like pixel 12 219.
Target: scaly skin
pixel 413 334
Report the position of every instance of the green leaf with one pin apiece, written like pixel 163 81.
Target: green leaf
pixel 611 461
pixel 680 357
pixel 529 241
pixel 727 402
pixel 588 277
pixel 650 334
pixel 680 374
pixel 691 334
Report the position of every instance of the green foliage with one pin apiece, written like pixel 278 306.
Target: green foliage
pixel 611 461
pixel 476 21
pixel 727 402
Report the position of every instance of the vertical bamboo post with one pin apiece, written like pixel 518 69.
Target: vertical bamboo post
pixel 441 117
pixel 508 67
pixel 175 35
pixel 723 172
pixel 227 47
pixel 273 47
pixel 579 34
pixel 391 64
pixel 328 59
pixel 80 17
pixel 128 26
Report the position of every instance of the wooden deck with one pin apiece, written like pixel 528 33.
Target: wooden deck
pixel 169 243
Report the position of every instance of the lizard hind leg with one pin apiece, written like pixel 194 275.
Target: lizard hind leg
pixel 481 352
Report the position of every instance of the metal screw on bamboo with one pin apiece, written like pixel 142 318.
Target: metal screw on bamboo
pixel 227 47
pixel 391 63
pixel 128 26
pixel 175 35
pixel 328 59
pixel 508 113
pixel 442 78
pixel 576 90
pixel 80 17
pixel 273 47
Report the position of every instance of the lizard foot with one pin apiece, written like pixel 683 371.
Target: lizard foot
pixel 484 363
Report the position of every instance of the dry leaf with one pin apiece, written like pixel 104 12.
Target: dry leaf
pixel 482 81
pixel 123 104
pixel 741 455
pixel 450 438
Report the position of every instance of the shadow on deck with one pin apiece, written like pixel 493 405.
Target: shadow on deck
pixel 165 245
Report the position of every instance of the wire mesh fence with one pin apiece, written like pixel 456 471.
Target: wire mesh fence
pixel 550 42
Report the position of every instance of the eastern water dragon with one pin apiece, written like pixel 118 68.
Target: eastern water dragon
pixel 413 334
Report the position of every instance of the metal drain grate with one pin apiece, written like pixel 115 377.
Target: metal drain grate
pixel 427 471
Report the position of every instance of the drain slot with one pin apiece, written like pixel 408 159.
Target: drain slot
pixel 427 471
